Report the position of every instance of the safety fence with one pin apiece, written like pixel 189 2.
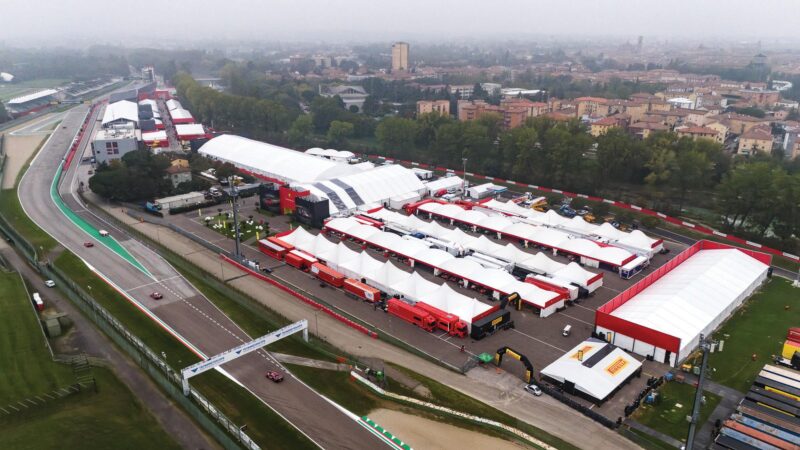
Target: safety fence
pixel 462 415
pixel 224 430
pixel 597 417
pixel 673 220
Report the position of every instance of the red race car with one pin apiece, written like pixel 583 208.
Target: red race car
pixel 274 375
pixel 88 244
pixel 156 296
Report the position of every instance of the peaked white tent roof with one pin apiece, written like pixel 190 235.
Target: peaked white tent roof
pixel 124 110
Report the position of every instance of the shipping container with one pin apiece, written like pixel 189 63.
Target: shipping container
pixel 444 320
pixel 759 435
pixel 360 290
pixel 327 274
pixel 300 260
pixel 411 314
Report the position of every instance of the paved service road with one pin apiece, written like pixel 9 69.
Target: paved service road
pixel 183 309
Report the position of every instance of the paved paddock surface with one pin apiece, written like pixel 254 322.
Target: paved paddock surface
pixel 539 339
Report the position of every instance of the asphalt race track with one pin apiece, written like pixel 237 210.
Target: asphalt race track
pixel 183 309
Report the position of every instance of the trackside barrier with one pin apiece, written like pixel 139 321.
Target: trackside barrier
pixel 303 298
pixel 599 418
pixel 225 431
pixel 441 409
pixel 619 204
pixel 201 410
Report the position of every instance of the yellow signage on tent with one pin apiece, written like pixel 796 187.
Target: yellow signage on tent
pixel 617 365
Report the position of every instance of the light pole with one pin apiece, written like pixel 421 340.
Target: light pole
pixel 705 346
pixel 234 194
pixel 464 176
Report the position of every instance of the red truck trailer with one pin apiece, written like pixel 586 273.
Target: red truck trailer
pixel 412 314
pixel 274 247
pixel 327 274
pixel 444 320
pixel 360 290
pixel 300 260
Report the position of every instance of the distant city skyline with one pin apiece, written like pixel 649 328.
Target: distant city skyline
pixel 45 21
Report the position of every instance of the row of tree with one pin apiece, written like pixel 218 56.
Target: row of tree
pixel 259 118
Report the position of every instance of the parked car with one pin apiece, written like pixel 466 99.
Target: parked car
pixel 88 244
pixel 533 389
pixel 274 375
pixel 156 295
pixel 50 283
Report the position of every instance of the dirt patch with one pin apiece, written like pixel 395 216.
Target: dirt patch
pixel 422 433
pixel 18 151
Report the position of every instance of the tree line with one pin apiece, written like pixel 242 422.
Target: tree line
pixel 677 175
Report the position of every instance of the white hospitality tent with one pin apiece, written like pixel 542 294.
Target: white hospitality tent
pixel 387 277
pixel 595 368
pixel 121 111
pixel 693 298
pixel 272 161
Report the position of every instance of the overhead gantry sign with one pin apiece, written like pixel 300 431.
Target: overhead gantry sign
pixel 241 350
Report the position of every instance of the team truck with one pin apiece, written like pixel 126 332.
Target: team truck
pixel 274 247
pixel 359 290
pixel 411 314
pixel 300 260
pixel 487 325
pixel 445 321
pixel 790 353
pixel 327 274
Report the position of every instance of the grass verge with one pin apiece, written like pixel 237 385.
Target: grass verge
pixel 111 418
pixel 758 328
pixel 17 219
pixel 339 387
pixel 669 414
pixel 26 364
pixel 450 398
pixel 646 441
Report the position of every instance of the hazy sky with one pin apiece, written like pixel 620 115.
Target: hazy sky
pixel 107 21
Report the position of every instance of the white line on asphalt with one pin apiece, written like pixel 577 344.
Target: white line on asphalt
pixel 575 318
pixel 154 282
pixel 539 340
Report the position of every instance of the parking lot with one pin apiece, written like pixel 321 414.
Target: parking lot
pixel 539 339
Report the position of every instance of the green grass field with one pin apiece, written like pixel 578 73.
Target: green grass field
pixel 758 328
pixel 111 418
pixel 669 415
pixel 11 209
pixel 26 364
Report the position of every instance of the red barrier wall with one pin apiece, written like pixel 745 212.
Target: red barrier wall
pixel 698 228
pixel 304 299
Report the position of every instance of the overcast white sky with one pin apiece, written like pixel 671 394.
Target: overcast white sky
pixel 306 20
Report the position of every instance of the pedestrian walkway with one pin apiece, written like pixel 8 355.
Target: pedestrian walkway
pixel 730 398
pixel 656 434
